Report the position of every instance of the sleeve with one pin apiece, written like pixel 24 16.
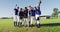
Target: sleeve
pixel 14 8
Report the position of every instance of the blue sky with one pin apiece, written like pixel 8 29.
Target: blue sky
pixel 7 6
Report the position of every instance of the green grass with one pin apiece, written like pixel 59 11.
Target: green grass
pixel 6 25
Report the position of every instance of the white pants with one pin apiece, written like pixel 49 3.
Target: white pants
pixel 19 20
pixel 16 18
pixel 37 18
pixel 32 19
pixel 29 18
pixel 26 22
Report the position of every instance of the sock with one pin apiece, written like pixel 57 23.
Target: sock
pixel 38 25
pixel 29 23
pixel 15 23
pixel 19 24
pixel 35 23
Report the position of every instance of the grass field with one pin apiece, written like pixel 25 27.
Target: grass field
pixel 47 25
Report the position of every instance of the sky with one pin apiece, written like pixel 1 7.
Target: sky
pixel 7 6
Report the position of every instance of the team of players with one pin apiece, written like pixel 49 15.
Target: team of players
pixel 28 14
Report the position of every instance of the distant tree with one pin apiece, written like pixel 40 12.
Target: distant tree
pixel 58 11
pixel 55 12
pixel 4 18
pixel 7 18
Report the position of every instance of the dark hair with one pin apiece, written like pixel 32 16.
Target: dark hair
pixel 20 8
pixel 25 7
pixel 17 7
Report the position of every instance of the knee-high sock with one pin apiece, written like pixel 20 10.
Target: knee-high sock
pixel 19 23
pixel 15 23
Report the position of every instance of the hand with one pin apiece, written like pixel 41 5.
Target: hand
pixel 16 4
pixel 40 1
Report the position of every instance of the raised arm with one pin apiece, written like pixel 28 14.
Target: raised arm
pixel 39 3
pixel 16 6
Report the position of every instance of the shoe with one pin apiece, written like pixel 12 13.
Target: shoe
pixel 38 25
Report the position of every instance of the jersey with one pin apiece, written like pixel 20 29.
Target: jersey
pixel 38 12
pixel 32 12
pixel 16 11
pixel 21 14
pixel 26 13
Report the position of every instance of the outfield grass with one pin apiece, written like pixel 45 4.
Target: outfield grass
pixel 47 25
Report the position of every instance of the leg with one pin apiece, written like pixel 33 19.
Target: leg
pixel 31 23
pixel 29 20
pixel 38 23
pixel 26 22
pixel 15 20
pixel 19 22
pixel 37 19
pixel 35 22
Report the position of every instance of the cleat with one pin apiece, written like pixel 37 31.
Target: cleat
pixel 38 25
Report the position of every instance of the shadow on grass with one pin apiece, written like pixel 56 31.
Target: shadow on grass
pixel 44 25
pixel 51 24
